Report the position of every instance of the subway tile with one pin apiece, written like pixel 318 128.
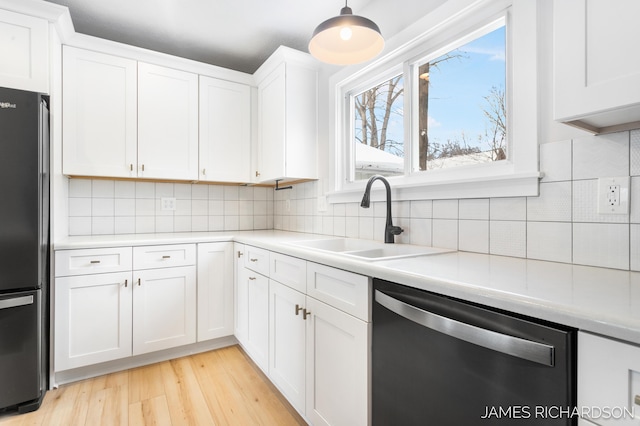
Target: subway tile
pixel 352 209
pixel 216 192
pixel 164 189
pixel 601 244
pixel 556 161
pixel 79 188
pixel 420 231
pixel 508 238
pixel 405 224
pixel 308 224
pixel 379 209
pixel 216 208
pixel 421 209
pixel 231 193
pixel 365 227
pixel 183 207
pixel 445 209
pixel 216 223
pixel 245 208
pixel 182 191
pixel 231 223
pixel 199 192
pixel 550 241
pixel 445 233
pixel 231 208
pixel 340 226
pixel 477 209
pixel 553 204
pixel 182 224
pixel 102 188
pixel 80 226
pixel 379 224
pixel 124 207
pixel 245 193
pixel 102 225
pixel 327 225
pixel 340 210
pixel 513 208
pixel 145 190
pixel 124 225
pixel 259 222
pixel 200 223
pixel 199 207
pixel 601 156
pixel 102 207
pixel 473 236
pixel 400 209
pixel 79 207
pixel 317 224
pixel 245 223
pixel 145 224
pixel 260 193
pixel 124 189
pixel 164 224
pixel 352 227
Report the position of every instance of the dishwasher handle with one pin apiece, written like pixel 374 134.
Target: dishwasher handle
pixel 515 346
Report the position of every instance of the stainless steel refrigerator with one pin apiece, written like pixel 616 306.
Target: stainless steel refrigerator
pixel 24 249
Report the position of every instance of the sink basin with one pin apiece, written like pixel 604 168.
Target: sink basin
pixel 369 250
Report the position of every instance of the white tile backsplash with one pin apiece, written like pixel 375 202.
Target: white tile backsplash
pixel 559 225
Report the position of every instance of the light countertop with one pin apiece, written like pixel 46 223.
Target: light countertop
pixel 599 300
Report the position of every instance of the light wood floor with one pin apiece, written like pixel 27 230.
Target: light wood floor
pixel 221 387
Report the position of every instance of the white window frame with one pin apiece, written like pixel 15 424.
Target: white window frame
pixel 518 175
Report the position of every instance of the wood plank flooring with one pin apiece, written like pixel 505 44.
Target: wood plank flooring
pixel 221 387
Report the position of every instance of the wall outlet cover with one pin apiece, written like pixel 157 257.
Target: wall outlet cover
pixel 167 204
pixel 613 195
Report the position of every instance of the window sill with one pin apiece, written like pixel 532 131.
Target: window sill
pixel 515 185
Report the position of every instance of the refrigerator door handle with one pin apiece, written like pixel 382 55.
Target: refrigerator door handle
pixel 511 345
pixel 16 301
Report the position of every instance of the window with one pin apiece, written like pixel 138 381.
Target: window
pixel 454 109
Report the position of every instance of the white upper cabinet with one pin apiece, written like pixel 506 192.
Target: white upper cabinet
pixel 225 131
pixel 596 73
pixel 99 114
pixel 167 123
pixel 287 117
pixel 24 52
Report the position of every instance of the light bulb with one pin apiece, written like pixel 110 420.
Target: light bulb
pixel 345 33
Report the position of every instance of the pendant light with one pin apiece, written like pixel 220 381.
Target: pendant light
pixel 346 39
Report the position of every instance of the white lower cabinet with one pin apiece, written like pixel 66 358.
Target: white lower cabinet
pixel 164 308
pixel 608 391
pixel 337 366
pixel 287 335
pixel 92 319
pixel 252 311
pixel 215 290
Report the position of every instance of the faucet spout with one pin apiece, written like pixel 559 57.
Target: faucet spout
pixel 389 230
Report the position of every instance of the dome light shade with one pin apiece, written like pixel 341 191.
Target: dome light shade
pixel 346 39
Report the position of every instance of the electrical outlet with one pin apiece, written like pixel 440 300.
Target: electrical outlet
pixel 613 195
pixel 168 204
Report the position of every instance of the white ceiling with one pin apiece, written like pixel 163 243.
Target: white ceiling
pixel 235 34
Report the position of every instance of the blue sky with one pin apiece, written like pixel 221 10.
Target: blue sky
pixel 459 85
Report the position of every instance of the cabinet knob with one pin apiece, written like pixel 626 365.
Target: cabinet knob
pixel 94 262
pixel 143 167
pixel 298 309
pixel 126 283
pixel 166 257
pixel 305 314
pixel 240 254
pixel 252 278
pixel 138 282
pixel 131 167
pixel 257 173
pixel 204 172
pixel 253 260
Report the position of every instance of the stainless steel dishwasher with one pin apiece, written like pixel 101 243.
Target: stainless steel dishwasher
pixel 442 361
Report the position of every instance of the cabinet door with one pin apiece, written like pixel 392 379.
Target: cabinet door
pixel 164 308
pixel 256 342
pixel 225 131
pixel 272 125
pixel 92 319
pixel 241 295
pixel 596 77
pixel 167 123
pixel 25 52
pixel 337 367
pixel 215 290
pixel 287 342
pixel 99 102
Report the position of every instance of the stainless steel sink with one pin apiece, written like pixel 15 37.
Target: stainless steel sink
pixel 368 250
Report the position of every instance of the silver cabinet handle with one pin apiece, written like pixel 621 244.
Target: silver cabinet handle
pixel 94 261
pixel 515 346
pixel 16 301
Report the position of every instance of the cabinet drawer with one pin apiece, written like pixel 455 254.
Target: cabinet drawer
pixel 603 382
pixel 344 290
pixel 257 260
pixel 92 261
pixel 289 271
pixel 151 257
